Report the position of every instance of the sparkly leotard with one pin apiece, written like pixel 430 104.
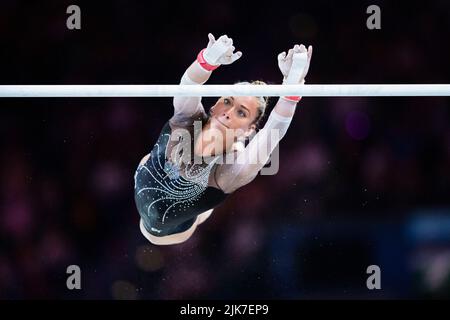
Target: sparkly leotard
pixel 169 197
pixel 169 194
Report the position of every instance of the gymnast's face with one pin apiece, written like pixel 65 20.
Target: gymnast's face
pixel 234 113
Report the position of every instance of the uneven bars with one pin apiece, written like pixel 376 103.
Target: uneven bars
pixel 312 90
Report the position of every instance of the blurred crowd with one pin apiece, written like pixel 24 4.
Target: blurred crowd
pixel 361 181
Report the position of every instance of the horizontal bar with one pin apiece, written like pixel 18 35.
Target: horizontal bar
pixel 312 90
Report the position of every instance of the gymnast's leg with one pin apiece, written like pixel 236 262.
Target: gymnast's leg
pixel 203 216
pixel 144 160
pixel 169 239
pixel 177 237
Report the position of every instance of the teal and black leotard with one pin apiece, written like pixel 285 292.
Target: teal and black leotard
pixel 168 197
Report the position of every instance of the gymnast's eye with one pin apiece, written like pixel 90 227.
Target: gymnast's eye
pixel 226 101
pixel 242 113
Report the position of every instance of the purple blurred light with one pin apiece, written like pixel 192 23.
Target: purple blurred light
pixel 357 124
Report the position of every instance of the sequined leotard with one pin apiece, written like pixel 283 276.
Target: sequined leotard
pixel 168 196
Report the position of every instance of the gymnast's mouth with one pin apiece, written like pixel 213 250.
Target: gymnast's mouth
pixel 222 123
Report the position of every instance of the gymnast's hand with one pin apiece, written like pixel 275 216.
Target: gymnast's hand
pixel 220 51
pixel 295 65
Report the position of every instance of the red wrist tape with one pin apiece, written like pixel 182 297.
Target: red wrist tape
pixel 293 98
pixel 205 65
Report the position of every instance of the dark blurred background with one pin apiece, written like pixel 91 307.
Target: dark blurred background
pixel 362 181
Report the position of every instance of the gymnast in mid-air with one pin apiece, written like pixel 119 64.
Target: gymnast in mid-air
pixel 200 158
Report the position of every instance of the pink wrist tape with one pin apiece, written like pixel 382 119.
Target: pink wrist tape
pixel 293 98
pixel 205 65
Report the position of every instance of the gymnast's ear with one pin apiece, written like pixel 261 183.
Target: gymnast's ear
pixel 251 129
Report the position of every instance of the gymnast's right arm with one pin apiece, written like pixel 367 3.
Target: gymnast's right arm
pixel 215 54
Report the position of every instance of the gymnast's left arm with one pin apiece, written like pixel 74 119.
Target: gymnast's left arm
pixel 253 158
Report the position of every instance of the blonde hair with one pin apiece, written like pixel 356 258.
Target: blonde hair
pixel 262 102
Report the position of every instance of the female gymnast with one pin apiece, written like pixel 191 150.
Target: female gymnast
pixel 185 177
